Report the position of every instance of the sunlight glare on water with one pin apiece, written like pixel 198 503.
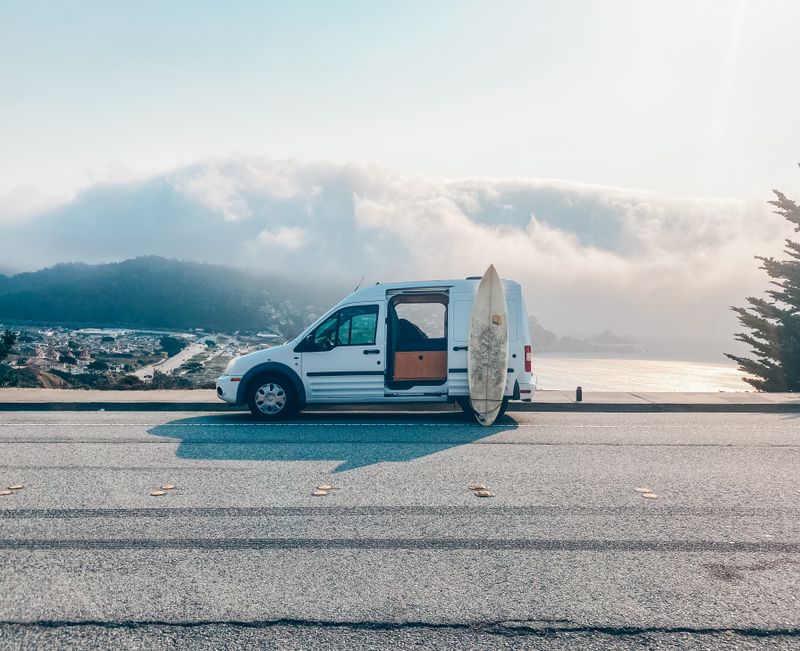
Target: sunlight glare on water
pixel 601 374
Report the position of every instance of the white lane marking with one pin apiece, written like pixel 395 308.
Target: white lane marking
pixel 509 427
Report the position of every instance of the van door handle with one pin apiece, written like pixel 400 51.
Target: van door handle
pixel 460 347
pixel 372 351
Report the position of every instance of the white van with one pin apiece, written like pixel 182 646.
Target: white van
pixel 392 343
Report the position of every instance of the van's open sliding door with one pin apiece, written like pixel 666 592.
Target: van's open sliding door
pixel 417 342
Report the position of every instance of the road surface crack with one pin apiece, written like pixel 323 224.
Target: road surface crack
pixel 536 627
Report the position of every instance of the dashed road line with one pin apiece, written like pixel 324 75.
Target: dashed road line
pixel 443 544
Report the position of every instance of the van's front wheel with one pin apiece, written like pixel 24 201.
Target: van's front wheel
pixel 271 398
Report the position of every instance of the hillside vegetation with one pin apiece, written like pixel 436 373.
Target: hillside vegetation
pixel 154 292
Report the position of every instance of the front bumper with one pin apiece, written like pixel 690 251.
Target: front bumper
pixel 228 388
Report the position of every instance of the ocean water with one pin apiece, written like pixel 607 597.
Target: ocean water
pixel 559 371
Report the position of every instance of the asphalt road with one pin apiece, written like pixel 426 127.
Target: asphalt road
pixel 566 554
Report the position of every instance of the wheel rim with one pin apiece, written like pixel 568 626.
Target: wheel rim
pixel 270 398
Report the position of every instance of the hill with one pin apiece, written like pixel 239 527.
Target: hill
pixel 155 292
pixel 545 341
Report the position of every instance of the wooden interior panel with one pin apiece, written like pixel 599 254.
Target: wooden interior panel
pixel 420 365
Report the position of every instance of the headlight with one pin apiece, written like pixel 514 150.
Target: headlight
pixel 229 367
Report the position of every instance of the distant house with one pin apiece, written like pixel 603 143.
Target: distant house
pixel 47 353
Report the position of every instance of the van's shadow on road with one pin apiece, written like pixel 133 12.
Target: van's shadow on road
pixel 354 441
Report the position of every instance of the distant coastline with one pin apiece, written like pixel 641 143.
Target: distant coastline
pixel 596 372
pixel 605 342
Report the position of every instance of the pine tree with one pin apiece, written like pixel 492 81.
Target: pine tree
pixel 774 323
pixel 7 340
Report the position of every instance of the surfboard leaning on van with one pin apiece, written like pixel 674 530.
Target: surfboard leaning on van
pixel 398 342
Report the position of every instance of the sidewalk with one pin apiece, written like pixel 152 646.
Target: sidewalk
pixel 206 400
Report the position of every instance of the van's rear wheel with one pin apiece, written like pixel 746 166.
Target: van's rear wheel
pixel 466 407
pixel 271 398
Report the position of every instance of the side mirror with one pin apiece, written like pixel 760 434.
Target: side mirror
pixel 306 345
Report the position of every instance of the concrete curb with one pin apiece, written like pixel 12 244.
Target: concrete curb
pixel 754 408
pixel 116 406
pixel 589 407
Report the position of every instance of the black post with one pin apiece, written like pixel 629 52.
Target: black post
pixel 579 394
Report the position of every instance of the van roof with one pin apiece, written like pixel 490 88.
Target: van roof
pixel 378 291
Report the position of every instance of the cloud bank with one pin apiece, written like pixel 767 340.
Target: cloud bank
pixel 589 257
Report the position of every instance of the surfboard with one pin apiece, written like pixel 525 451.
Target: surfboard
pixel 487 354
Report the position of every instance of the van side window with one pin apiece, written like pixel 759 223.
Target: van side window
pixel 350 326
pixel 357 325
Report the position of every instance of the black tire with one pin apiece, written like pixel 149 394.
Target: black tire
pixel 503 409
pixel 466 407
pixel 271 398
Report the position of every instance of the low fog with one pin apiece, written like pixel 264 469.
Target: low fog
pixel 589 257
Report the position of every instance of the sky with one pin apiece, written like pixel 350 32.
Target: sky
pixel 614 156
pixel 687 97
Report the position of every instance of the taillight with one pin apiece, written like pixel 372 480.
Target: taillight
pixel 527 359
